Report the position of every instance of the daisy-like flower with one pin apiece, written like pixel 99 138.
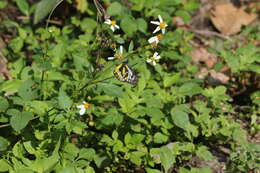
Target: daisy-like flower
pixel 155 39
pixel 161 25
pixel 118 55
pixel 112 23
pixel 154 59
pixel 83 108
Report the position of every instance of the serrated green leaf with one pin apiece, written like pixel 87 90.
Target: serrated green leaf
pixel 111 90
pixel 20 120
pixel 11 86
pixel 87 153
pixel 160 138
pixel 4 143
pixel 64 100
pixel 114 9
pixel 149 170
pixel 180 118
pixel 128 25
pixel 167 158
pixel 141 25
pixel 3 104
pixel 4 165
pixel 203 153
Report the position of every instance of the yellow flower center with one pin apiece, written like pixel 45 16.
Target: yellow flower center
pixel 86 105
pixel 119 56
pixel 159 36
pixel 153 58
pixel 113 23
pixel 162 25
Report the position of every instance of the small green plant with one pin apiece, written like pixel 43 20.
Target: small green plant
pixel 114 91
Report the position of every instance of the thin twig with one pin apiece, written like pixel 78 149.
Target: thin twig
pixel 208 33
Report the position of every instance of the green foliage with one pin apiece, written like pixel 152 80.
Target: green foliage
pixel 158 125
pixel 244 58
pixel 43 8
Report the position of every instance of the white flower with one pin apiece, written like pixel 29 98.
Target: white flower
pixel 83 108
pixel 118 55
pixel 161 25
pixel 112 23
pixel 155 58
pixel 155 39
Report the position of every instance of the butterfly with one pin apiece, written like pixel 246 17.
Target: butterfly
pixel 124 73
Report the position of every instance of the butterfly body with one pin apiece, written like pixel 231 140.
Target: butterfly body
pixel 124 73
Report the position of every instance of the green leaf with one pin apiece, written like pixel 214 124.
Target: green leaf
pixel 128 25
pixel 11 86
pixel 141 25
pixel 39 107
pixel 4 165
pixel 3 104
pixel 149 170
pixel 16 44
pixel 180 118
pixel 87 153
pixel 88 25
pixel 170 79
pixel 111 90
pixel 131 46
pixel 82 5
pixel 114 9
pixel 29 148
pixel 43 8
pixel 136 157
pixel 203 153
pixel 26 90
pixel 160 138
pixel 55 76
pixel 4 143
pixel 155 114
pixel 20 120
pixel 190 89
pixel 47 164
pixel 23 6
pixel 64 100
pixel 167 158
pixel 138 5
pixel 3 4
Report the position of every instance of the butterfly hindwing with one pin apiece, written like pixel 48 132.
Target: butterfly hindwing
pixel 125 74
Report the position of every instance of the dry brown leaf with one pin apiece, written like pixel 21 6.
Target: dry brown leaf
pixel 3 63
pixel 202 55
pixel 219 77
pixel 228 19
pixel 3 68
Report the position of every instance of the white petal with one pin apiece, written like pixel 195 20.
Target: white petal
pixel 155 22
pixel 121 50
pixel 154 63
pixel 82 111
pixel 156 30
pixel 152 39
pixel 108 21
pixel 166 25
pixel 80 106
pixel 163 31
pixel 160 18
pixel 84 102
pixel 116 26
pixel 155 54
pixel 148 60
pixel 158 57
pixel 111 58
pixel 112 28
